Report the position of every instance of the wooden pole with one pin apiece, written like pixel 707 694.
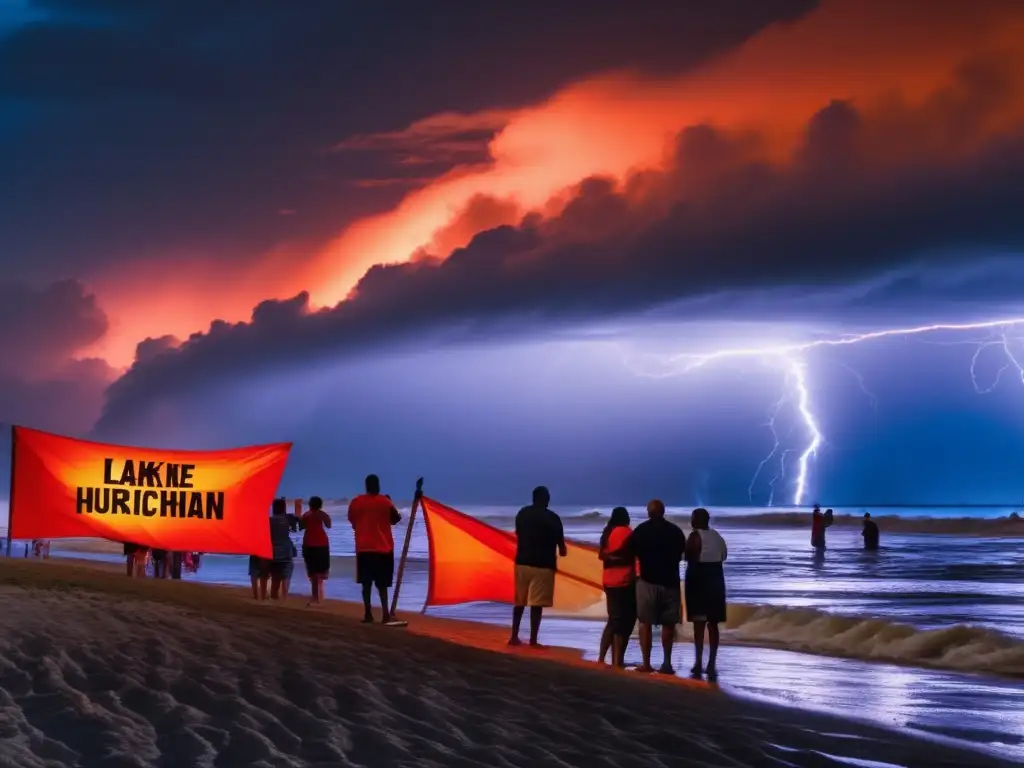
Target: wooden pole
pixel 10 496
pixel 416 500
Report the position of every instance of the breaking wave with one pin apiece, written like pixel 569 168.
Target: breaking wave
pixel 962 648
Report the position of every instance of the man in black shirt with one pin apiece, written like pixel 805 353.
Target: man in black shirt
pixel 659 546
pixel 539 541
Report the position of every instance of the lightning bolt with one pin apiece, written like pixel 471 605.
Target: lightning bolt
pixel 792 360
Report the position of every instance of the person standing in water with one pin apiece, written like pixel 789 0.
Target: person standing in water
pixel 316 547
pixel 705 587
pixel 372 516
pixel 618 579
pixel 819 522
pixel 870 533
pixel 540 539
pixel 658 545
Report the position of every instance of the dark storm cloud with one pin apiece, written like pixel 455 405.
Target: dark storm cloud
pixel 41 330
pixel 135 129
pixel 721 220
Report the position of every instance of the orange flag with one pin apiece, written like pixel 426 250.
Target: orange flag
pixel 204 501
pixel 471 561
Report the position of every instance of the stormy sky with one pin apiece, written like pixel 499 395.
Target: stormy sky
pixel 494 244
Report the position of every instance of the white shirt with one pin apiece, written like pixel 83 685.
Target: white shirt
pixel 712 546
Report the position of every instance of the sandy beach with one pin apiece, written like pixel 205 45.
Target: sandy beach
pixel 99 670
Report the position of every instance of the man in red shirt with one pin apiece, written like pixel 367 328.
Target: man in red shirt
pixel 372 516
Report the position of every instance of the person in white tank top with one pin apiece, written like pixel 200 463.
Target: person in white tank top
pixel 712 546
pixel 705 587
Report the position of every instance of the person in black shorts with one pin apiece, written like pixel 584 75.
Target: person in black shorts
pixel 316 547
pixel 659 546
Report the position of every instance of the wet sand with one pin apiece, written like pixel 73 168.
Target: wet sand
pixel 100 670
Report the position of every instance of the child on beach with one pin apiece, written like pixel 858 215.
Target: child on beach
pixel 618 578
pixel 316 547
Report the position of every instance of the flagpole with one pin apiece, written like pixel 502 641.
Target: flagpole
pixel 10 497
pixel 416 501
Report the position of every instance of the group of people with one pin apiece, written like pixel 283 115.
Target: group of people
pixel 165 564
pixel 640 577
pixel 372 516
pixel 821 521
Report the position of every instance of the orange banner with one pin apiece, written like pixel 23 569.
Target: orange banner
pixel 471 561
pixel 203 501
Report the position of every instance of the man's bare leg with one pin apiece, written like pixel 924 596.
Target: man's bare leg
pixel 517 620
pixel 536 614
pixel 668 638
pixel 646 635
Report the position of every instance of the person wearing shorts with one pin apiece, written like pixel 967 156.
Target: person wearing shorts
pixel 659 546
pixel 316 547
pixel 372 516
pixel 540 539
pixel 283 562
pixel 258 576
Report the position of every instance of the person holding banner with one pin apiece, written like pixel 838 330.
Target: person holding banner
pixel 372 516
pixel 316 547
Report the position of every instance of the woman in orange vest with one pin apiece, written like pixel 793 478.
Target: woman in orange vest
pixel 619 586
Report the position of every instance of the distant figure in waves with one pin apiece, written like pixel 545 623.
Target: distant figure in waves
pixel 870 533
pixel 372 516
pixel 282 563
pixel 658 545
pixel 819 522
pixel 540 539
pixel 619 580
pixel 705 587
pixel 316 547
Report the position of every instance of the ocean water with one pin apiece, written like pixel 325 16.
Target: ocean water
pixel 927 633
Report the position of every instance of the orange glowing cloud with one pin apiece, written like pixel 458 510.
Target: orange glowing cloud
pixel 874 54
pixel 885 57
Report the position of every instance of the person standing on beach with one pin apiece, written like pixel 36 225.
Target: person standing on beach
pixel 819 522
pixel 540 539
pixel 159 563
pixel 372 516
pixel 658 545
pixel 870 533
pixel 705 587
pixel 283 561
pixel 176 559
pixel 259 574
pixel 316 547
pixel 618 577
pixel 129 559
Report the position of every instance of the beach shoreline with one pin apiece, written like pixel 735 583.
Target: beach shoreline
pixel 453 684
